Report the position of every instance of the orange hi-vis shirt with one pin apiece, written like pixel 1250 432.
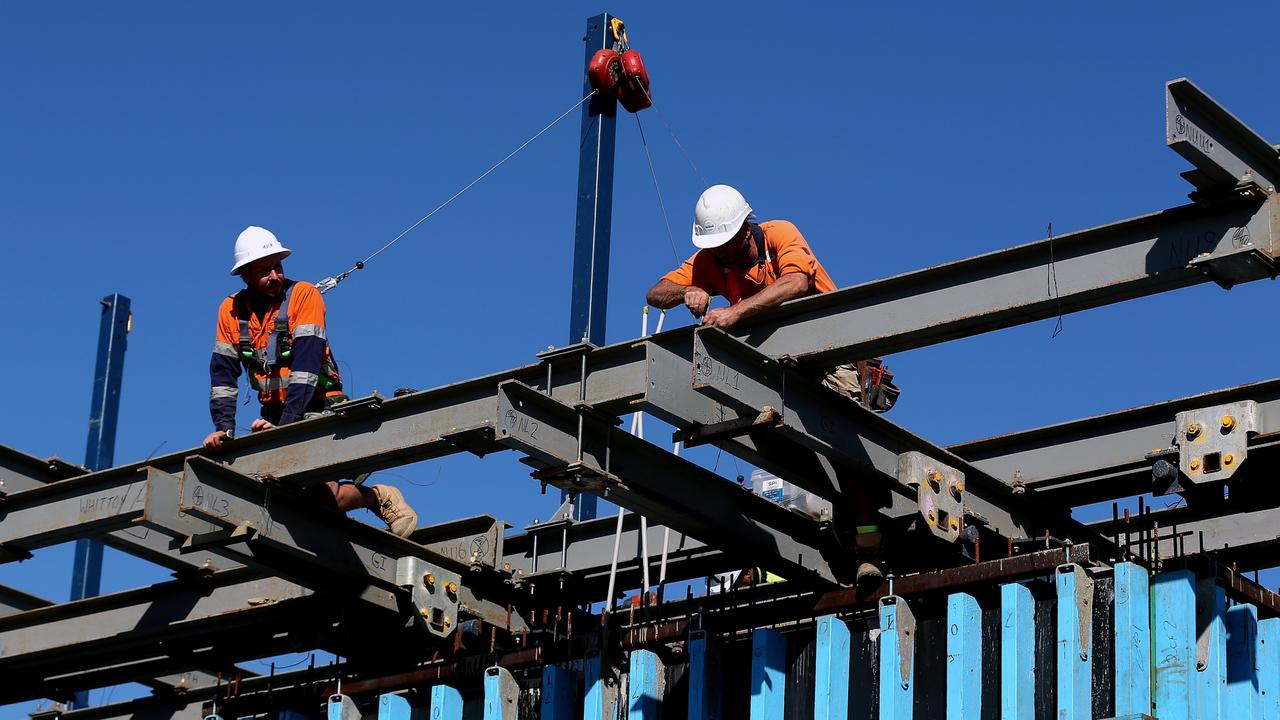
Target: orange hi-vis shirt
pixel 787 252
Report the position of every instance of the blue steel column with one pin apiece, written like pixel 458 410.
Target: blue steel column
pixel 964 657
pixel 647 687
pixel 500 694
pixel 1132 640
pixel 704 677
pixel 446 703
pixel 594 217
pixel 831 676
pixel 1269 669
pixel 1242 662
pixel 1074 640
pixel 1017 653
pixel 897 658
pixel 1211 649
pixel 557 693
pixel 100 450
pixel 1173 599
pixel 768 674
pixel 393 707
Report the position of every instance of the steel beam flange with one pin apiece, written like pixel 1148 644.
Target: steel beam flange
pixel 1212 442
pixel 433 591
pixel 1084 605
pixel 939 493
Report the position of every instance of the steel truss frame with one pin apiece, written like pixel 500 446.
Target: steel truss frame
pixel 228 523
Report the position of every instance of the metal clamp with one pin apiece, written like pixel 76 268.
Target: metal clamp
pixel 903 622
pixel 434 593
pixel 1212 442
pixel 939 493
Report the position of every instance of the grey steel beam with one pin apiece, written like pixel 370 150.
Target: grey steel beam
pixel 1224 150
pixel 13 600
pixel 1243 537
pixel 1104 457
pixel 580 449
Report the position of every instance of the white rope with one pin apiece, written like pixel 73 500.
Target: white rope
pixel 330 283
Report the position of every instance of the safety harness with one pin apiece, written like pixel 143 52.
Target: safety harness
pixel 278 352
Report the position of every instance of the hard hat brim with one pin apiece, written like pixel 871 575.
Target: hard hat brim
pixel 283 252
pixel 714 240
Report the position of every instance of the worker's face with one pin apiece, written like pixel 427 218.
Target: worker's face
pixel 739 252
pixel 265 276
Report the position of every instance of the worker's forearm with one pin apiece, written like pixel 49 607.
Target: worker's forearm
pixel 787 287
pixel 666 294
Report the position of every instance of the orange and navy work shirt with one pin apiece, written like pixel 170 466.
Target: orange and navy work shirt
pixel 787 252
pixel 292 386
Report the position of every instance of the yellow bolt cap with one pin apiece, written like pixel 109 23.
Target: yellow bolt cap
pixel 1228 459
pixel 1228 422
pixel 1195 465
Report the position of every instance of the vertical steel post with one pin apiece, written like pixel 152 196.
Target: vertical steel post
pixel 964 657
pixel 1132 640
pixel 594 216
pixel 601 701
pixel 393 707
pixel 1017 653
pixel 501 694
pixel 100 450
pixel 1075 642
pixel 557 693
pixel 446 703
pixel 897 659
pixel 768 674
pixel 831 676
pixel 704 677
pixel 1211 649
pixel 341 707
pixel 1242 662
pixel 647 687
pixel 1269 669
pixel 1173 599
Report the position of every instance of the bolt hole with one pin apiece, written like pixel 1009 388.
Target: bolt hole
pixel 1212 463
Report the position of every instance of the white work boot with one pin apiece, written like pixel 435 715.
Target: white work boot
pixel 394 511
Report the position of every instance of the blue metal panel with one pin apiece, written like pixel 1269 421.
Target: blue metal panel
pixel 768 675
pixel 897 658
pixel 1243 700
pixel 393 707
pixel 557 693
pixel 500 695
pixel 446 703
pixel 601 700
pixel 1132 640
pixel 1074 642
pixel 964 657
pixel 341 708
pixel 831 676
pixel 644 694
pixel 1173 600
pixel 1017 653
pixel 1269 669
pixel 1211 649
pixel 100 449
pixel 704 677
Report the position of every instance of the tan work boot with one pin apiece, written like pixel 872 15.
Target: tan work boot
pixel 869 546
pixel 394 511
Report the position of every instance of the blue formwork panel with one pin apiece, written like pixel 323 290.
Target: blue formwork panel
pixel 964 657
pixel 1242 699
pixel 647 685
pixel 341 707
pixel 446 703
pixel 1017 653
pixel 897 658
pixel 393 707
pixel 1173 601
pixel 1132 640
pixel 1211 649
pixel 704 677
pixel 1074 642
pixel 831 670
pixel 556 698
pixel 501 695
pixel 768 675
pixel 1269 669
pixel 601 699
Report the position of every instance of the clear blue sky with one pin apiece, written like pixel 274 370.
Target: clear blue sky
pixel 137 139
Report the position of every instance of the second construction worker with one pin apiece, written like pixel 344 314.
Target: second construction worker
pixel 756 266
pixel 275 330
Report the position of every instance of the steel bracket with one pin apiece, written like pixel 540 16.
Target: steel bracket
pixel 939 493
pixel 434 593
pixel 904 623
pixel 1241 264
pixel 1084 605
pixel 577 477
pixel 1212 442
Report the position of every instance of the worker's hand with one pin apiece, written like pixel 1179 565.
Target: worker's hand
pixel 260 424
pixel 697 300
pixel 213 441
pixel 722 318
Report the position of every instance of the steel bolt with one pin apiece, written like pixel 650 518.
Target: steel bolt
pixel 1193 430
pixel 1228 459
pixel 1195 465
pixel 452 588
pixel 932 517
pixel 954 523
pixel 429 580
pixel 1228 423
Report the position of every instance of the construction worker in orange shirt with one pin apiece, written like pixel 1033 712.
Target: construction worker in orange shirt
pixel 756 266
pixel 275 330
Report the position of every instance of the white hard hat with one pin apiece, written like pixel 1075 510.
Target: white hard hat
pixel 256 243
pixel 718 216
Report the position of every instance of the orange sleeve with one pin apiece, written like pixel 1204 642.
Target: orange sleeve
pixel 306 306
pixel 699 270
pixel 682 275
pixel 228 326
pixel 790 250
